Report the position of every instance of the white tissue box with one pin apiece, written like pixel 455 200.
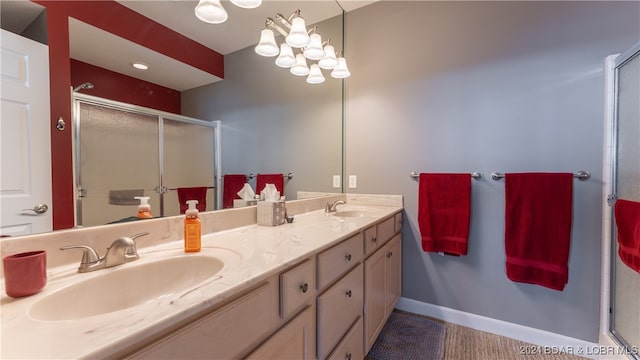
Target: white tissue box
pixel 237 203
pixel 271 213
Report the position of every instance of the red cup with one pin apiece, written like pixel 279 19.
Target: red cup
pixel 25 273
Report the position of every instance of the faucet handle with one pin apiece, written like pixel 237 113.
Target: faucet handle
pixel 89 255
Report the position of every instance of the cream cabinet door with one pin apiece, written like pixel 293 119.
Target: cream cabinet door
pixel 374 297
pixel 393 253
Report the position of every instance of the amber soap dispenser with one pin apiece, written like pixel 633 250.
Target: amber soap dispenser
pixel 192 229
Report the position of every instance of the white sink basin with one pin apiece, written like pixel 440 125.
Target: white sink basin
pixel 126 286
pixel 356 211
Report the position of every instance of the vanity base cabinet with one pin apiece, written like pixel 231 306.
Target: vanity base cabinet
pixel 296 340
pixel 382 287
pixel 229 332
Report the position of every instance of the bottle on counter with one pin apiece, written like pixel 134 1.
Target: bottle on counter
pixel 144 209
pixel 192 229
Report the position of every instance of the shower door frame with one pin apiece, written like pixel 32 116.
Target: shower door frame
pixel 613 65
pixel 80 98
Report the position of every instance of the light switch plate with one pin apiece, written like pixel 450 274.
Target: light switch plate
pixel 336 181
pixel 352 182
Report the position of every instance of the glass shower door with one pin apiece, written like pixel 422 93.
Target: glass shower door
pixel 625 284
pixel 118 159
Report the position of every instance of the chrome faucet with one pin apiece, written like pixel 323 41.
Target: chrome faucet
pixel 333 207
pixel 122 250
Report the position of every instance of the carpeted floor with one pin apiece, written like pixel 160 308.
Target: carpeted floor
pixel 463 343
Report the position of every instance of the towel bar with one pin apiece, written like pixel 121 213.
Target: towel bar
pixel 476 175
pixel 581 175
pixel 289 176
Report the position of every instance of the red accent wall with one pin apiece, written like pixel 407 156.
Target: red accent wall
pixel 119 20
pixel 119 87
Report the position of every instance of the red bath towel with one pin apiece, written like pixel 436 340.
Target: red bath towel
pixel 627 214
pixel 537 238
pixel 232 183
pixel 192 193
pixel 275 179
pixel 444 212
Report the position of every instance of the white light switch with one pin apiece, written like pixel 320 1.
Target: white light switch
pixel 352 182
pixel 336 181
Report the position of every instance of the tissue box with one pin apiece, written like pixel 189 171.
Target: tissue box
pixel 237 203
pixel 271 213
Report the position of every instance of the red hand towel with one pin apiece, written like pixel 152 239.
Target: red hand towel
pixel 444 212
pixel 627 214
pixel 193 193
pixel 232 184
pixel 275 179
pixel 537 236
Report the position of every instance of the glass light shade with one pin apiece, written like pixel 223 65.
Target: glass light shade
pixel 267 45
pixel 298 36
pixel 315 75
pixel 341 71
pixel 300 68
pixel 247 4
pixel 329 61
pixel 286 58
pixel 211 11
pixel 314 50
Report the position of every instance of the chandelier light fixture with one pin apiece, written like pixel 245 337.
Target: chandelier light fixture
pixel 299 46
pixel 212 11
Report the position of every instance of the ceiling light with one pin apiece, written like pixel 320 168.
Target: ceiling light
pixel 267 45
pixel 140 66
pixel 300 68
pixel 315 75
pixel 211 11
pixel 341 71
pixel 329 61
pixel 314 50
pixel 286 58
pixel 247 4
pixel 297 36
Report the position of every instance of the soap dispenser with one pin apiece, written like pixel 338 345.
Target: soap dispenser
pixel 192 230
pixel 144 209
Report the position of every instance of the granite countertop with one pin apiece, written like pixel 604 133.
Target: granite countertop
pixel 251 254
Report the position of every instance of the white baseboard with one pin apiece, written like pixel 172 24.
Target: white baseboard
pixel 551 342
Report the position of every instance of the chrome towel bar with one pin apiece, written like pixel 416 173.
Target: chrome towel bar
pixel 582 175
pixel 476 175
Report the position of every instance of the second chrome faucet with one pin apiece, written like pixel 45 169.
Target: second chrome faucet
pixel 121 250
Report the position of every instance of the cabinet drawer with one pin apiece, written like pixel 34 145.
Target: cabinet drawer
pixel 338 308
pixel 398 221
pixel 350 348
pixel 226 333
pixel 386 229
pixel 370 240
pixel 297 286
pixel 339 259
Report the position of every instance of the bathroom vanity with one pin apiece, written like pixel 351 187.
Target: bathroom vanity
pixel 321 287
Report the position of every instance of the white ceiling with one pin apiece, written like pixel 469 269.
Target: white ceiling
pixel 115 54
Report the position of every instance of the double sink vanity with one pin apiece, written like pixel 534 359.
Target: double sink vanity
pixel 320 287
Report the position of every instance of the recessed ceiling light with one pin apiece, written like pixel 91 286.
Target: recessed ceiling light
pixel 140 66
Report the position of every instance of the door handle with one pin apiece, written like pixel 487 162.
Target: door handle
pixel 38 209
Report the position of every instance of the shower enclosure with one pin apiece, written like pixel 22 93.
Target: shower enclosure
pixel 122 151
pixel 624 166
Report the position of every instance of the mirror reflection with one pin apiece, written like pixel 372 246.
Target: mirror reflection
pixel 271 122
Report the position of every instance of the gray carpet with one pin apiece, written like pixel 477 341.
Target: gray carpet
pixel 409 337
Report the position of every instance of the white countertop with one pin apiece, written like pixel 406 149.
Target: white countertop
pixel 251 254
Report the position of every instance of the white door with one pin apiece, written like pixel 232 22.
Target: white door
pixel 25 137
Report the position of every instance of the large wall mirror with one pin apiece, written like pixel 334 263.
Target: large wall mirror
pixel 271 121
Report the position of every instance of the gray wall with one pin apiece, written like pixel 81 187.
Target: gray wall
pixel 273 121
pixel 482 86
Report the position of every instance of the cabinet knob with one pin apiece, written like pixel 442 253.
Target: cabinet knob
pixel 348 356
pixel 348 257
pixel 374 239
pixel 390 254
pixel 348 293
pixel 304 287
